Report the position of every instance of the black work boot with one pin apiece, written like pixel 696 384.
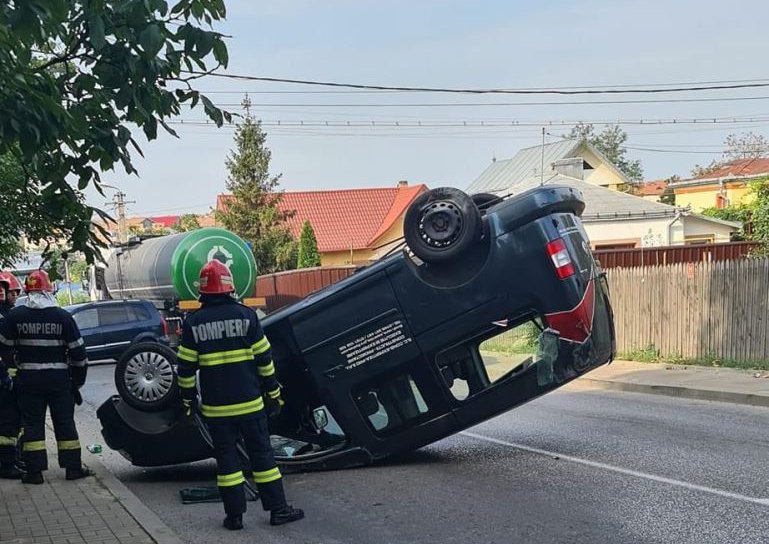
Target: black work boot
pixel 9 471
pixel 35 478
pixel 233 523
pixel 78 473
pixel 285 514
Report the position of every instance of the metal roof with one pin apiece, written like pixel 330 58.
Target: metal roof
pixel 525 165
pixel 602 204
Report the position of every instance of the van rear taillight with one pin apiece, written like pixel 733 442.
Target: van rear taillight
pixel 164 324
pixel 561 258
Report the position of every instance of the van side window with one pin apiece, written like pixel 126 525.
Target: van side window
pixel 137 312
pixel 112 314
pixel 86 319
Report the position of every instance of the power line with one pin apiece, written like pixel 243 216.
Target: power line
pixel 488 104
pixel 613 89
pixel 363 91
pixel 483 124
pixel 674 151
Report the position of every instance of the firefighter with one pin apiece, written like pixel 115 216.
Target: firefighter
pixel 224 339
pixel 9 411
pixel 52 365
pixel 12 290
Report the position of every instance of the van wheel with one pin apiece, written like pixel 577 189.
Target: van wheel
pixel 145 377
pixel 441 225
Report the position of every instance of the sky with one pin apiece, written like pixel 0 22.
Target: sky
pixel 464 44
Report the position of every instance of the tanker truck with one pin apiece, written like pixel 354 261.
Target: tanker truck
pixel 164 270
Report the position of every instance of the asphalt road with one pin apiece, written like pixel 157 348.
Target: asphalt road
pixel 578 465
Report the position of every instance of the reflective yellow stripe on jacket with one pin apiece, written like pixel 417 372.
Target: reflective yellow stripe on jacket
pixel 231 410
pixel 261 346
pixel 186 383
pixel 223 357
pixel 187 354
pixel 267 370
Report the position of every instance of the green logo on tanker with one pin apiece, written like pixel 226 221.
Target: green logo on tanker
pixel 203 245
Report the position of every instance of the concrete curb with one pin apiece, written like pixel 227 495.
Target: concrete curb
pixel 146 518
pixel 679 392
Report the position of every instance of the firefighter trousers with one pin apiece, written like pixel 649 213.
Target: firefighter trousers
pixel 10 425
pixel 34 400
pixel 225 433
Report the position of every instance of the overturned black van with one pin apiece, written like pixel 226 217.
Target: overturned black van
pixel 392 358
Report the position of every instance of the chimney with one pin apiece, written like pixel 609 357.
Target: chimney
pixel 571 167
pixel 403 183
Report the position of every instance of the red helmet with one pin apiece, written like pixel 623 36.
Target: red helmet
pixel 38 281
pixel 11 282
pixel 215 279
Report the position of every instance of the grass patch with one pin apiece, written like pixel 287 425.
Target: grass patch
pixel 523 339
pixel 650 354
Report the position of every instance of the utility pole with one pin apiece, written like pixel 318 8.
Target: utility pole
pixel 67 279
pixel 119 204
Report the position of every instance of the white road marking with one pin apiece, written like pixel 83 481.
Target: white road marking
pixel 626 471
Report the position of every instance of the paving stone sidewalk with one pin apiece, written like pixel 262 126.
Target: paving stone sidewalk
pixel 65 512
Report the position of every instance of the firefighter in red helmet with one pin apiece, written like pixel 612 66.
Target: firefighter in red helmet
pixel 10 419
pixel 51 360
pixel 224 340
pixel 11 290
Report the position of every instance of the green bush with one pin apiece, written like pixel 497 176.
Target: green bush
pixel 62 297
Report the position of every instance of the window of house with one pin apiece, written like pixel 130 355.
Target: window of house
pixel 623 245
pixel 698 240
pixel 721 202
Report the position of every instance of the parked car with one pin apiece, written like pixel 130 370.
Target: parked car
pixel 109 327
pixel 390 359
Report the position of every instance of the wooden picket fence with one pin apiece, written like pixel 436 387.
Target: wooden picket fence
pixel 694 310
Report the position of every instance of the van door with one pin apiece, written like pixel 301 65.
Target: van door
pixel 87 321
pixel 117 331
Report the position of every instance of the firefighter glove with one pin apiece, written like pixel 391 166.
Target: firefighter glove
pixel 273 402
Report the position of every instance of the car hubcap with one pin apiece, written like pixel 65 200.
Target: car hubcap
pixel 440 224
pixel 149 376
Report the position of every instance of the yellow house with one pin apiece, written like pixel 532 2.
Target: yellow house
pixel 352 226
pixel 726 186
pixel 573 158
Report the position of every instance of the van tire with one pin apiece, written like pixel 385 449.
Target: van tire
pixel 145 377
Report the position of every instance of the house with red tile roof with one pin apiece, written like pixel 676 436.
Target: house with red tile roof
pixel 651 190
pixel 729 184
pixel 352 226
pixel 164 221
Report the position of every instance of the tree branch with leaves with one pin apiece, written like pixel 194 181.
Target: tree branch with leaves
pixel 79 78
